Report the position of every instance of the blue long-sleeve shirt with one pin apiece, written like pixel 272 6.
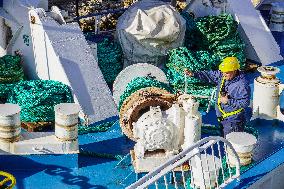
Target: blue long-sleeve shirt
pixel 237 89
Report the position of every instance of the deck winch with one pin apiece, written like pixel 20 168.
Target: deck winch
pixel 160 135
pixel 160 122
pixel 155 133
pixel 266 95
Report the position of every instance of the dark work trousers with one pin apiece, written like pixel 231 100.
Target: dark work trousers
pixel 229 125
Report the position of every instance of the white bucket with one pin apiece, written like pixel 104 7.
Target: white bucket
pixel 66 121
pixel 243 143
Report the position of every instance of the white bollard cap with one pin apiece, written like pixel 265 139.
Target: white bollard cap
pixel 9 109
pixel 242 142
pixel 67 109
pixel 268 70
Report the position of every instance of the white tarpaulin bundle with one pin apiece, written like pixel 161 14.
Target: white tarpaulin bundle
pixel 148 30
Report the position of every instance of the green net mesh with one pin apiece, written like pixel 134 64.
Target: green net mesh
pixel 11 71
pixel 216 130
pixel 109 59
pixel 95 129
pixel 216 34
pixel 183 58
pixel 37 99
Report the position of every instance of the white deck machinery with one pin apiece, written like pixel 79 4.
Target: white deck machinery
pixel 55 50
pixel 161 135
pixel 266 95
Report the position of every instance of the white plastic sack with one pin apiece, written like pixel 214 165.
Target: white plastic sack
pixel 148 30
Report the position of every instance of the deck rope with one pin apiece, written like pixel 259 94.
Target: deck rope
pixel 140 83
pixel 100 155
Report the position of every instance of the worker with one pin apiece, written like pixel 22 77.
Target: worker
pixel 233 94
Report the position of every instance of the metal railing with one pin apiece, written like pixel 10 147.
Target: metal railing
pixel 98 16
pixel 206 164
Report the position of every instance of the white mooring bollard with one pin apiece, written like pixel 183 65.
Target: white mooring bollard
pixel 66 121
pixel 243 143
pixel 266 94
pixel 192 120
pixel 10 125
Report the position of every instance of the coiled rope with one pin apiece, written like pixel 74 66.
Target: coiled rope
pixel 139 83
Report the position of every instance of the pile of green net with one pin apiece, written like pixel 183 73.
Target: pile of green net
pixel 11 71
pixel 208 41
pixel 183 58
pixel 37 99
pixel 110 59
pixel 216 34
pixel 140 83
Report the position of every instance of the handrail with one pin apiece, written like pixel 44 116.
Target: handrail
pixel 182 157
pixel 104 12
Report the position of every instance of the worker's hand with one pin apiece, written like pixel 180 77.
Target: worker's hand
pixel 189 73
pixel 224 99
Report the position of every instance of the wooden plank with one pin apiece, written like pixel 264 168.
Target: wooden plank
pixel 37 126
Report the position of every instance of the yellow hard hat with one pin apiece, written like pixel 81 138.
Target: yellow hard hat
pixel 229 64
